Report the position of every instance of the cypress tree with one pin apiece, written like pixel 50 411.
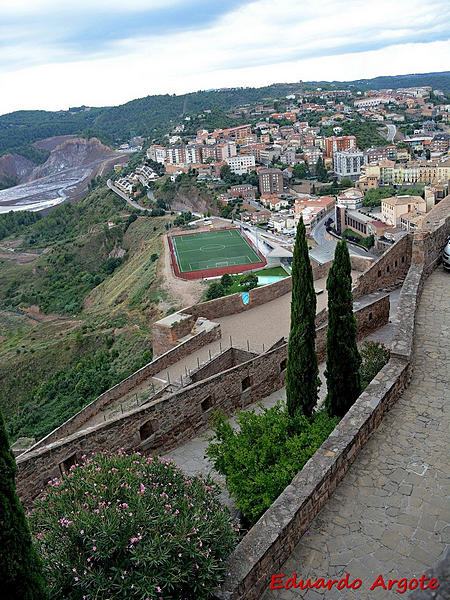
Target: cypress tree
pixel 21 568
pixel 302 374
pixel 343 359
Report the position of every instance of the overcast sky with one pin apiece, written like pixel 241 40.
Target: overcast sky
pixel 60 53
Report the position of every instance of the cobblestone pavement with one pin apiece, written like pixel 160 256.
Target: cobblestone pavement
pixel 391 513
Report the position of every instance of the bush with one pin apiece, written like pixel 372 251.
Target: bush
pixel 261 457
pixel 215 290
pixel 374 356
pixel 134 527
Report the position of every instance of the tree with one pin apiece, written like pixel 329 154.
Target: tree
pixel 226 280
pixel 302 379
pixel 248 281
pixel 22 575
pixel 321 171
pixel 215 290
pixel 346 182
pixel 343 359
pixel 300 171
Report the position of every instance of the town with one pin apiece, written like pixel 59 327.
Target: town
pixel 301 160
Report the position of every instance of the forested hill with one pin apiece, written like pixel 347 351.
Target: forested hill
pixel 438 81
pixel 152 116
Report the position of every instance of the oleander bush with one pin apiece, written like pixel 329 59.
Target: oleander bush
pixel 262 456
pixel 121 527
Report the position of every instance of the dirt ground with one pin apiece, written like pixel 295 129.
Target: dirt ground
pixel 185 292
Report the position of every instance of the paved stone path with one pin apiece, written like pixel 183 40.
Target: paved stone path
pixel 391 513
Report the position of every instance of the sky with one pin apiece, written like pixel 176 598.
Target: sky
pixel 60 53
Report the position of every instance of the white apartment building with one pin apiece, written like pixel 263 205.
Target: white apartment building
pixel 348 164
pixel 241 164
pixel 157 153
pixel 192 155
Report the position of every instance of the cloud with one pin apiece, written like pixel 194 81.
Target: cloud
pixel 107 53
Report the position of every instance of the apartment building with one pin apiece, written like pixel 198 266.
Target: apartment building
pixel 270 181
pixel 241 163
pixel 348 164
pixel 350 198
pixel 157 153
pixel 391 173
pixel 393 208
pixel 225 150
pixel 339 144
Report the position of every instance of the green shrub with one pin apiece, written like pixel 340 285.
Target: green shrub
pixel 134 527
pixel 261 457
pixel 374 356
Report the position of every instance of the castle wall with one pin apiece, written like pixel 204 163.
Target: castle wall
pixel 175 418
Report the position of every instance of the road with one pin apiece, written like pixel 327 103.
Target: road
pixel 325 250
pixel 392 130
pixel 131 202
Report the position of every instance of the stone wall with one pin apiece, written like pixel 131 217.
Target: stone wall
pixel 175 418
pixel 167 332
pixel 227 359
pixel 368 318
pixel 164 361
pixel 229 305
pixel 429 243
pixel 167 422
pixel 388 271
pixel 272 539
pixel 270 542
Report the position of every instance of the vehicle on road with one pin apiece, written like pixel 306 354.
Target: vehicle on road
pixel 446 256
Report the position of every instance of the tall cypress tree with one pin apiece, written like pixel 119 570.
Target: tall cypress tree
pixel 21 569
pixel 343 359
pixel 302 374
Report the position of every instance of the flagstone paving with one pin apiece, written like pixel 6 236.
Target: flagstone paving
pixel 391 513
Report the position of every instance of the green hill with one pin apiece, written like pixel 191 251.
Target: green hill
pixel 77 299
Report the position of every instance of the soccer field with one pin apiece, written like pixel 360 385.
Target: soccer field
pixel 213 249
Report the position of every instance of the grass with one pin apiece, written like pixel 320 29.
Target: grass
pixel 213 249
pixel 273 272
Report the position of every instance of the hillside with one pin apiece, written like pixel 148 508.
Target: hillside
pixel 77 299
pixel 153 115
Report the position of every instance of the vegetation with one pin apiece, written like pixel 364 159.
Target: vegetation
pixel 152 533
pixel 375 196
pixel 22 573
pixel 374 356
pixel 16 221
pixel 343 359
pixel 107 277
pixel 261 457
pixel 366 132
pixel 354 236
pixel 302 379
pixel 231 284
pixel 321 171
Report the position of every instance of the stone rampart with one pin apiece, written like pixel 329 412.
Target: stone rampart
pixel 270 542
pixel 164 361
pixel 272 539
pixel 168 421
pixel 388 271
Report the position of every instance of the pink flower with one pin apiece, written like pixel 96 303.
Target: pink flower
pixel 94 548
pixel 158 589
pixel 142 488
